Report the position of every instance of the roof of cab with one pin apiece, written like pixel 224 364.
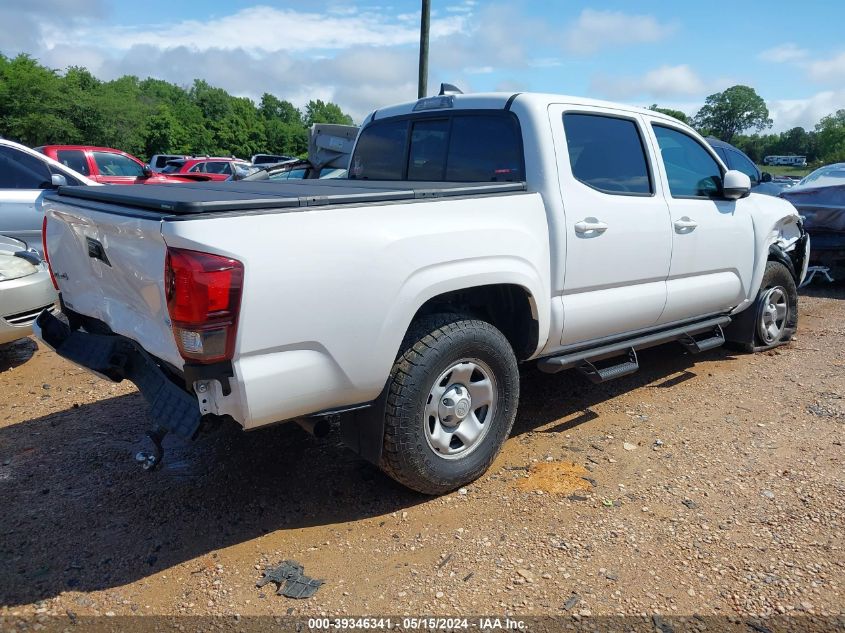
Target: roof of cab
pixel 500 100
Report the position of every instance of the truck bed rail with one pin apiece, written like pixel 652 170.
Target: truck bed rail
pixel 196 198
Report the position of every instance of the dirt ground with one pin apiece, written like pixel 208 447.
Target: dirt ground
pixel 710 484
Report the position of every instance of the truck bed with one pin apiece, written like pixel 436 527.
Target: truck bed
pixel 206 197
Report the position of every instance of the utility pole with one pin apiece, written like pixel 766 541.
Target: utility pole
pixel 424 24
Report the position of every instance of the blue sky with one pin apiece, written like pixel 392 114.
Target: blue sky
pixel 364 55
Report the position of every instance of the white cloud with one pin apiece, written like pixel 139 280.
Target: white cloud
pixel 360 80
pixel 663 82
pixel 830 71
pixel 479 70
pixel 264 28
pixel 789 113
pixel 783 53
pixel 821 70
pixel 595 30
pixel 22 23
pixel 545 62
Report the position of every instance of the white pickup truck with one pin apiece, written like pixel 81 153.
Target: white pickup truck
pixel 474 232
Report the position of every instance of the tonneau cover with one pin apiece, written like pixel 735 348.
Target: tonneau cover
pixel 193 198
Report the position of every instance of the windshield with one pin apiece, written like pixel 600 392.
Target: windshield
pixel 173 166
pixel 830 175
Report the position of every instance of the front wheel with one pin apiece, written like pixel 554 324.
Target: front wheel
pixel 773 318
pixel 451 403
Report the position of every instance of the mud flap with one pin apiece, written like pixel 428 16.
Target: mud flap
pixel 118 358
pixel 740 332
pixel 363 430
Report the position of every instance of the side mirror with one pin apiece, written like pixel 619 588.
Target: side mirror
pixel 735 185
pixel 148 171
pixel 766 177
pixel 57 180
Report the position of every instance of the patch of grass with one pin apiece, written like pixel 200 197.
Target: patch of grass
pixel 785 170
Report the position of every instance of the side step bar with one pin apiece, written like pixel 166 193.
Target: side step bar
pixel 685 333
pixel 609 372
pixel 701 343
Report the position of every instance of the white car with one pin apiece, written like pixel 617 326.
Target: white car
pixel 25 289
pixel 474 232
pixel 25 175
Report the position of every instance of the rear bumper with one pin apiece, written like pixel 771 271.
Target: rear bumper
pixel 118 358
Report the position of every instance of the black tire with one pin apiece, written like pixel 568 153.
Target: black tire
pixel 432 346
pixel 776 278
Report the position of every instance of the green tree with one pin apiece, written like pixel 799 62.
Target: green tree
pixel 726 114
pixel 320 112
pixel 673 113
pixel 286 138
pixel 271 107
pixel 830 132
pixel 164 133
pixel 33 109
pixel 39 105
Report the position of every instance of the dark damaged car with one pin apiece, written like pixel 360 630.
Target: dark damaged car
pixel 820 199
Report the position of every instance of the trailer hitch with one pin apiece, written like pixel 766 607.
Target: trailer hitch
pixel 150 460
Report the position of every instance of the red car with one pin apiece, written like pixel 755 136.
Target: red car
pixel 108 166
pixel 210 167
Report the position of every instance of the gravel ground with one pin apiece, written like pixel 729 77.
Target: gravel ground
pixel 709 484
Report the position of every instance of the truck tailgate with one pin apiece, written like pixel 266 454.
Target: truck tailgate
pixel 111 267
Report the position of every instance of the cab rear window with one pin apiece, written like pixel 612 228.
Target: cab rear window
pixel 470 147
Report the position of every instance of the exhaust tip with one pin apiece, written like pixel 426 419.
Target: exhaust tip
pixel 318 427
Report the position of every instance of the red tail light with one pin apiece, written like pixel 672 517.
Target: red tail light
pixel 203 299
pixel 46 254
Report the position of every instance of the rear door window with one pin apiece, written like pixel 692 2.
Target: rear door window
pixel 607 153
pixel 19 170
pixel 218 167
pixel 75 159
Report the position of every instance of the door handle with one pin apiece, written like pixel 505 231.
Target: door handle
pixel 685 223
pixel 590 224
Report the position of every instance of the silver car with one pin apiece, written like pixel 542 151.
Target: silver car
pixel 25 289
pixel 25 176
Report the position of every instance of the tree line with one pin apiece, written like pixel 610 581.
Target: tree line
pixel 726 115
pixel 40 106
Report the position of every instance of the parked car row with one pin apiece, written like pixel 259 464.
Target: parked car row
pixel 106 165
pixel 208 168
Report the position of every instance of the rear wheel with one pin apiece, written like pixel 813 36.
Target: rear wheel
pixel 451 403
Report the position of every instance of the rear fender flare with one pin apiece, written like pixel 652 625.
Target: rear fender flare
pixel 432 281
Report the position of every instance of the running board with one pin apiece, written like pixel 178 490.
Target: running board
pixel 705 341
pixel 609 372
pixel 553 364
